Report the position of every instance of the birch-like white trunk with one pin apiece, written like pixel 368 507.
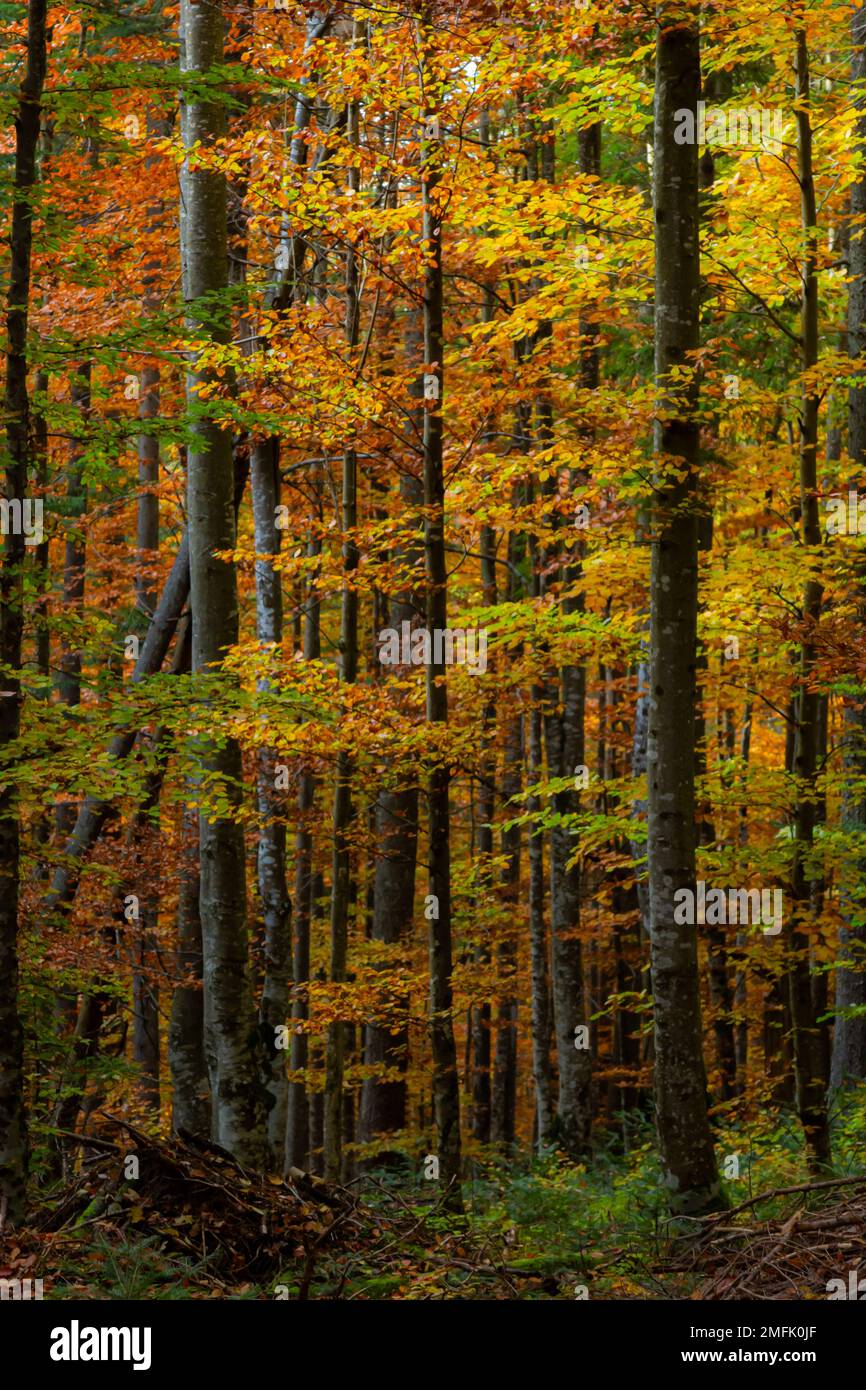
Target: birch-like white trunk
pixel 232 1037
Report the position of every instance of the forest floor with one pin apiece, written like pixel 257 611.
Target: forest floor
pixel 187 1223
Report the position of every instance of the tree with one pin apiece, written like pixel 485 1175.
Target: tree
pixel 810 1076
pixel 684 1135
pixel 13 1140
pixel 446 1099
pixel 231 1040
pixel 849 1040
pixel 343 811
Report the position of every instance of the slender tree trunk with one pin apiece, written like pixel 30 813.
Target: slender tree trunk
pixel 343 810
pixel 298 1139
pixel 239 1105
pixel 849 1038
pixel 383 1103
pixel 717 941
pixel 564 734
pixel 741 1033
pixel 639 767
pixel 13 1138
pixel 145 1028
pixel 316 1094
pixel 809 1078
pixel 539 948
pixel 538 943
pixel 42 565
pixel 274 902
pixel 446 1094
pixel 74 571
pixel 145 985
pixel 44 582
pixel 688 1160
pixel 66 1009
pixel 563 724
pixel 480 1014
pixel 190 1091
pixel 820 978
pixel 504 1091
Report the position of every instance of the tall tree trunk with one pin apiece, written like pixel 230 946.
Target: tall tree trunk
pixel 564 738
pixel 43 579
pixel 190 1091
pixel 383 1102
pixel 480 1015
pixel 808 1071
pixel 287 1117
pixel 446 1093
pixel 717 939
pixel 239 1103
pixel 145 1027
pixel 504 1091
pixel 849 1038
pixel 316 1094
pixel 66 1008
pixel 382 1109
pixel 145 955
pixel 685 1141
pixel 343 810
pixel 538 944
pixel 718 942
pixel 297 1118
pixel 479 1033
pixel 539 948
pixel 39 406
pixel 274 902
pixel 74 570
pixel 741 1034
pixel 13 1139
pixel 564 734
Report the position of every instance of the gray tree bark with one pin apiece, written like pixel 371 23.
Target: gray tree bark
pixel 190 1088
pixel 238 1096
pixel 274 902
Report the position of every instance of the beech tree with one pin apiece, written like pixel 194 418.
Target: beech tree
pixel 231 1043
pixel 13 1141
pixel 680 1078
